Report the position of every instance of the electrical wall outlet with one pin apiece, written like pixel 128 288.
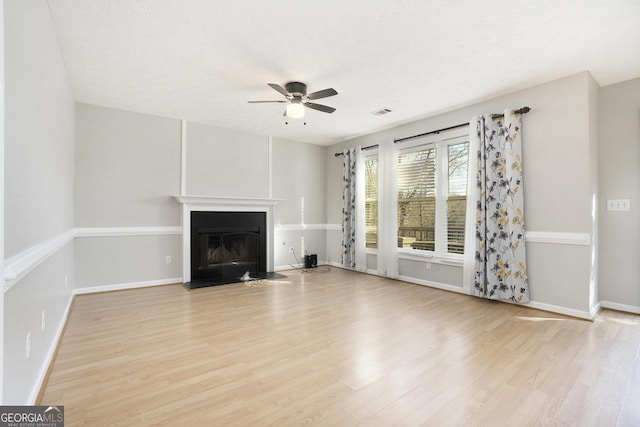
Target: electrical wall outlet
pixel 619 205
pixel 28 345
pixel 168 259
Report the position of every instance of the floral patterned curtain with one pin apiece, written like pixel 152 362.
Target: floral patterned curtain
pixel 349 208
pixel 500 266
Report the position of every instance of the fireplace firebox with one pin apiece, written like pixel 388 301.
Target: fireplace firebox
pixel 225 246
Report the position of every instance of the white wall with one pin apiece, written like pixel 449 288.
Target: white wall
pixel 128 167
pixel 619 178
pixel 39 192
pixel 41 290
pixel 298 179
pixel 39 131
pixel 559 157
pixel 223 162
pixel 112 261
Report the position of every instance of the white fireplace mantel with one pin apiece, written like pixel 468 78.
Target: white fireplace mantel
pixel 228 204
pixel 226 201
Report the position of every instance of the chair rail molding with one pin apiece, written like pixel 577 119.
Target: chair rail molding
pixel 127 231
pixel 561 238
pixel 301 227
pixel 553 237
pixel 19 265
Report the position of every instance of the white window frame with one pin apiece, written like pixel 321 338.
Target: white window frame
pixel 440 141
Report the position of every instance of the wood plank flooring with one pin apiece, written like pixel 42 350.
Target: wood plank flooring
pixel 339 349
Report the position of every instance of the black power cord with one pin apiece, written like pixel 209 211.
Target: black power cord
pixel 320 269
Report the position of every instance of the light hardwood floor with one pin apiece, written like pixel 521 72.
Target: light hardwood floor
pixel 339 349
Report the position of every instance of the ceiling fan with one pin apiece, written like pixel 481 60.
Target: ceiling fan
pixel 297 99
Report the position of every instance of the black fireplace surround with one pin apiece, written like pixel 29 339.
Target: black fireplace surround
pixel 227 245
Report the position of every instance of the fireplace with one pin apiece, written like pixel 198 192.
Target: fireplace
pixel 227 245
pixel 241 227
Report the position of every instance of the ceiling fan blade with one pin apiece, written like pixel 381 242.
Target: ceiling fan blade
pixel 323 108
pixel 264 102
pixel 322 93
pixel 279 89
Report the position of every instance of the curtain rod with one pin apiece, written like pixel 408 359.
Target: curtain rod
pixel 523 110
pixel 363 148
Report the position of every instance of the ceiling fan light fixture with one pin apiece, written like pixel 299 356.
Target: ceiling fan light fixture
pixel 297 99
pixel 295 110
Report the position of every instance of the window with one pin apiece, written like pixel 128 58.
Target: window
pixel 417 199
pixel 371 201
pixel 432 196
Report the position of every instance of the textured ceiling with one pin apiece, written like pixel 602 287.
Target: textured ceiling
pixel 202 60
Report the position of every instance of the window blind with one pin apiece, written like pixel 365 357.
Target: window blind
pixel 371 202
pixel 457 166
pixel 417 199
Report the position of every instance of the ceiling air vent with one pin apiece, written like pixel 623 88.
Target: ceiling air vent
pixel 382 112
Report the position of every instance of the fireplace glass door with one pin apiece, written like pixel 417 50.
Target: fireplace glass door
pixel 228 253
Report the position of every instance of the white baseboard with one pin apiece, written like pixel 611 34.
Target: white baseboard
pixel 443 286
pixel 581 314
pixel 620 307
pixel 537 305
pixel 122 286
pixel 42 375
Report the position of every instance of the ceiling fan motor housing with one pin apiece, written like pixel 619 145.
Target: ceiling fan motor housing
pixel 295 88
